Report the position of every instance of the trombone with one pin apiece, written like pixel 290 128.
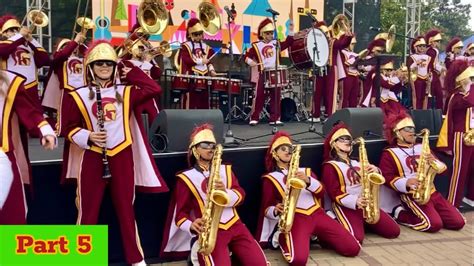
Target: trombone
pixel 36 17
pixel 389 38
pixel 164 48
pixel 85 22
pixel 339 26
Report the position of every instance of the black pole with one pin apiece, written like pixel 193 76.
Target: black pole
pixel 275 94
pixel 229 136
pixel 377 81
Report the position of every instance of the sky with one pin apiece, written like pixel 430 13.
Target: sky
pixel 471 22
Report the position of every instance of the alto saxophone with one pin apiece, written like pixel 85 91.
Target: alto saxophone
pixel 216 201
pixel 468 137
pixel 427 170
pixel 294 186
pixel 371 183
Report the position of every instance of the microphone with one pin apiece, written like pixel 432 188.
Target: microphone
pixel 273 12
pixel 368 133
pixel 229 13
pixel 375 29
pixel 311 16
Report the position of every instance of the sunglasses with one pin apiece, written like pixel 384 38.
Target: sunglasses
pixel 286 148
pixel 199 33
pixel 344 139
pixel 104 63
pixel 409 129
pixel 207 145
pixel 268 32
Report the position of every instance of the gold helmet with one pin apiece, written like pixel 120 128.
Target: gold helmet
pixel 11 22
pixel 101 50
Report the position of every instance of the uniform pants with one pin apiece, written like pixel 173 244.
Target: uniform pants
pixel 325 87
pixel 353 221
pixel 350 91
pixel 436 214
pixel 437 91
pixel 463 170
pixel 259 101
pixel 238 240
pixel 419 94
pixel 15 208
pixel 295 245
pixel 91 187
pixel 150 107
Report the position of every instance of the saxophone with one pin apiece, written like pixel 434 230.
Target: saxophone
pixel 370 186
pixel 468 137
pixel 294 186
pixel 427 170
pixel 216 201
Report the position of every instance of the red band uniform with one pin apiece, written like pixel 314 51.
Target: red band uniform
pixel 310 218
pixel 419 65
pixel 193 60
pixel 374 48
pixel 453 51
pixel 326 85
pixel 15 107
pixel 351 84
pixel 469 53
pixel 130 160
pixel 399 166
pixel 187 205
pixel 260 57
pixel 433 38
pixel 458 122
pixel 342 181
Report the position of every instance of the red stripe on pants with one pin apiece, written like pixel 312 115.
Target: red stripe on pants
pixel 463 159
pixel 122 190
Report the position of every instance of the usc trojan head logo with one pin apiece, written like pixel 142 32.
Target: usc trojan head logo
pixel 74 66
pixel 267 51
pixel 22 57
pixel 110 111
pixel 352 175
pixel 412 163
pixel 198 52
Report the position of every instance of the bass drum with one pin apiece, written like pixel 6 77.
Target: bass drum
pixel 301 51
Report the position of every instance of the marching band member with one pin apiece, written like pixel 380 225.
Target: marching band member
pixel 326 86
pixel 88 114
pixel 187 208
pixel 400 165
pixel 260 57
pixel 453 51
pixel 374 48
pixel 343 184
pixel 194 57
pixel 17 106
pixel 309 217
pixel 469 53
pixel 66 76
pixel 22 54
pixel 457 130
pixel 419 63
pixel 433 39
pixel 351 84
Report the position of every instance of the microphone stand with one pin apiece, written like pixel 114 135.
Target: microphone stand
pixel 278 77
pixel 229 139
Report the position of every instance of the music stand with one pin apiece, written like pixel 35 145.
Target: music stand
pixel 377 61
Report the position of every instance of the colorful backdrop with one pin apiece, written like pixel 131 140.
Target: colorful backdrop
pixel 114 18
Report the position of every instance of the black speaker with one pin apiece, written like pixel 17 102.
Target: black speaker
pixel 431 119
pixel 363 122
pixel 172 127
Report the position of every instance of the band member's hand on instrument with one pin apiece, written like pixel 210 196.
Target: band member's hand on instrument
pixel 205 61
pixel 24 31
pixel 372 169
pixel 278 209
pixel 361 202
pixel 196 226
pixel 302 176
pixel 219 185
pixel 98 138
pixel 48 142
pixel 213 73
pixel 80 38
pixel 412 183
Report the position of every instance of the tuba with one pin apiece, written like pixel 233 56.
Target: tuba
pixel 339 26
pixel 389 38
pixel 209 17
pixel 216 200
pixel 427 170
pixel 294 186
pixel 371 183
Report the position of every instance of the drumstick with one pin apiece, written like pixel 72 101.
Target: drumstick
pixel 210 58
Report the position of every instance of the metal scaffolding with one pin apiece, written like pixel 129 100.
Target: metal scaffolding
pixel 412 23
pixel 348 9
pixel 42 35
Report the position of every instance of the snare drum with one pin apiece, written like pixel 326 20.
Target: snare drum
pixel 179 83
pixel 302 53
pixel 220 85
pixel 276 78
pixel 200 84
